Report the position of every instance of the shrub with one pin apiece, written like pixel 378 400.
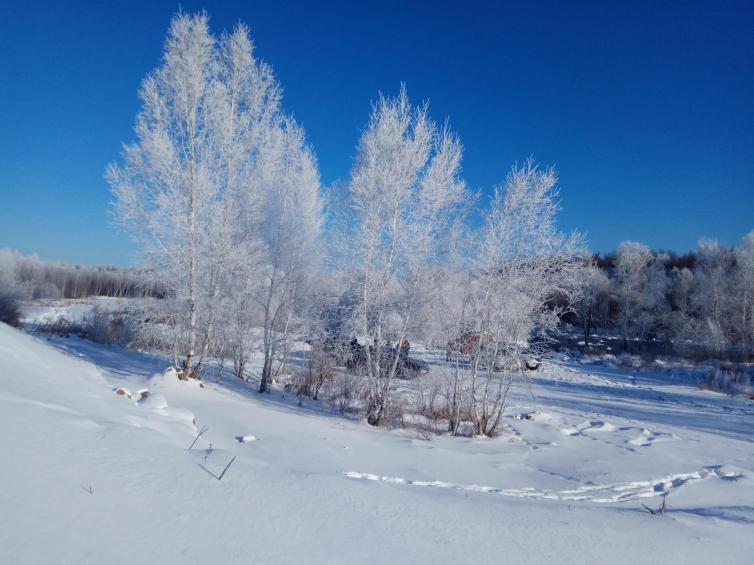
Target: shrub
pixel 319 369
pixel 344 391
pixel 432 404
pixel 9 311
pixel 730 378
pixel 110 328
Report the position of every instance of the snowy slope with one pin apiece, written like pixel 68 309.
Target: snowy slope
pixel 92 477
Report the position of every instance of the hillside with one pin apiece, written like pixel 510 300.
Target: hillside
pixel 100 478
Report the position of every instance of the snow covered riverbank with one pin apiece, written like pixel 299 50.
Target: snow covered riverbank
pixel 90 476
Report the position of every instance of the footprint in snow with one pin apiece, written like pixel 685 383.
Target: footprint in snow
pixel 647 438
pixel 620 492
pixel 591 426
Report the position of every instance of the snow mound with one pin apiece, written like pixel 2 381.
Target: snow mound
pixel 169 380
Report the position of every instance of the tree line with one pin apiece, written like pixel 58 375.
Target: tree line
pixel 27 277
pixel 701 302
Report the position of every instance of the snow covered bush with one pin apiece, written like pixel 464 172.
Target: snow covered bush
pixel 100 326
pixel 432 403
pixel 346 392
pixel 319 368
pixel 113 328
pixel 731 379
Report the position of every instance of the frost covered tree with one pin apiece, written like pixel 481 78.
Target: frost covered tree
pixel 656 303
pixel 405 194
pixel 715 296
pixel 631 267
pixel 167 192
pixel 683 322
pixel 640 286
pixel 290 237
pixel 523 262
pixel 198 187
pixel 592 307
pixel 744 285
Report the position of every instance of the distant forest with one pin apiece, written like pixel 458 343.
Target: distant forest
pixel 705 297
pixel 29 278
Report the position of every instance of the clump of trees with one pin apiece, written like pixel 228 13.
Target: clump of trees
pixel 223 194
pixel 698 304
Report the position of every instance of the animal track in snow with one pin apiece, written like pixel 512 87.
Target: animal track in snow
pixel 589 426
pixel 621 492
pixel 647 438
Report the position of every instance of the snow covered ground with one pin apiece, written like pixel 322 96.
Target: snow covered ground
pixel 90 476
pixel 48 311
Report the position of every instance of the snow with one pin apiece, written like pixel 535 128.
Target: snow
pixel 48 311
pixel 90 476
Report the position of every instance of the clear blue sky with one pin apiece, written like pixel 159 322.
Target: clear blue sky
pixel 646 108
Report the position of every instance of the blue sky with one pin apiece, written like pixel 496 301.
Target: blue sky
pixel 646 108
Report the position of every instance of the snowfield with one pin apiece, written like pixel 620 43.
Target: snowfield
pixel 91 476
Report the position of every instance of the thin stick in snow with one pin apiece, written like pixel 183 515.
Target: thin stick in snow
pixel 658 511
pixel 220 477
pixel 193 443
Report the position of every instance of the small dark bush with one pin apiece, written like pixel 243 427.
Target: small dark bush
pixel 9 311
